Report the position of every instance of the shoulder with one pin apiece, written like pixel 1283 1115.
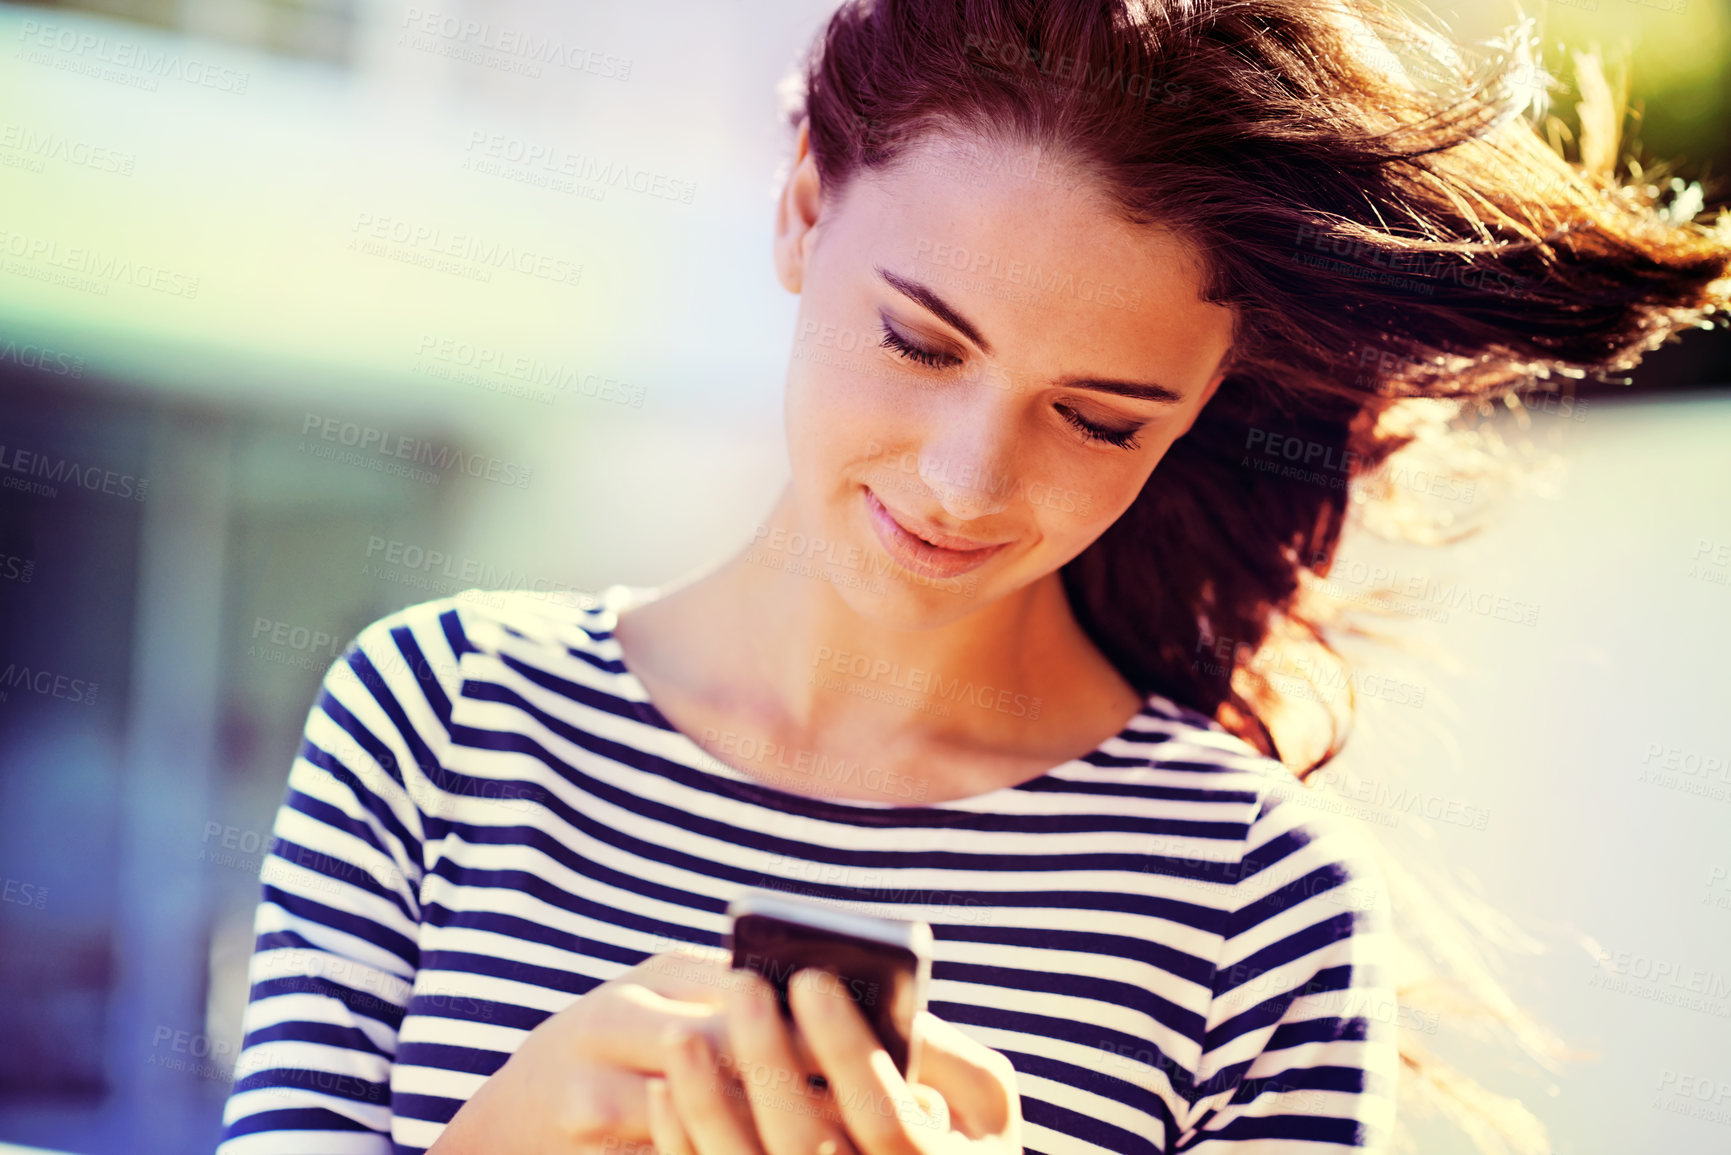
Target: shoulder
pixel 1276 832
pixel 431 642
pixel 1179 753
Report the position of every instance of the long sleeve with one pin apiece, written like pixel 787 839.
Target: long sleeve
pixel 1299 1052
pixel 335 954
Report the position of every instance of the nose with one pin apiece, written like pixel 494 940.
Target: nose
pixel 968 463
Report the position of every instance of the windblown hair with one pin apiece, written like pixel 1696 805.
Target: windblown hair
pixel 1400 247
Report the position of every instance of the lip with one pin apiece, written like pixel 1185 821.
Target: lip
pixel 949 559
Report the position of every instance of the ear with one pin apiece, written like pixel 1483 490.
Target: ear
pixel 796 212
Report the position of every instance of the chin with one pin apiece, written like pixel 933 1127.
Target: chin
pixel 904 601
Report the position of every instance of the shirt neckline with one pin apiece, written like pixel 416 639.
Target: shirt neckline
pixel 616 597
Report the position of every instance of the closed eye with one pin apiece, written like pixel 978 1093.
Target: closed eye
pixel 939 359
pixel 932 358
pixel 1122 438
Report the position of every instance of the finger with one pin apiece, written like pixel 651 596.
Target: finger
pixel 665 1129
pixel 690 972
pixel 791 1117
pixel 879 1109
pixel 977 1083
pixel 933 1104
pixel 608 1102
pixel 620 1022
pixel 625 1025
pixel 709 1105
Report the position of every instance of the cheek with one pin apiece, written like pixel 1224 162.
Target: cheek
pixel 832 423
pixel 1069 517
pixel 1080 504
pixel 841 414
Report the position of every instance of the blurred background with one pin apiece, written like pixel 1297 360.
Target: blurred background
pixel 249 246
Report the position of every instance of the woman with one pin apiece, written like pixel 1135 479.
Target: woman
pixel 999 657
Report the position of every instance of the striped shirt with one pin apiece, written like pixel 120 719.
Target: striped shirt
pixel 1175 947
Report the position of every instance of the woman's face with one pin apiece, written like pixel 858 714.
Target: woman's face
pixel 985 354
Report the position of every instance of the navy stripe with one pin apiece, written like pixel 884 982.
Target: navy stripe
pixel 307 1119
pixel 1068 913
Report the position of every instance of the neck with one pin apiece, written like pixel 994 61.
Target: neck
pixel 980 678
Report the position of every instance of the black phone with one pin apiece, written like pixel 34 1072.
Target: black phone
pixel 884 964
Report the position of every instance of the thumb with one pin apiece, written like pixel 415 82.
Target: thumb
pixel 977 1084
pixel 936 1108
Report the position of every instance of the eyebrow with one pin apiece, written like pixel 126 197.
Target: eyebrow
pixel 920 294
pixel 915 291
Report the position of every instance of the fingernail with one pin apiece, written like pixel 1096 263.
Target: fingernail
pixel 694 1049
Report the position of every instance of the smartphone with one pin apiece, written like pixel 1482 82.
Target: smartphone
pixel 884 964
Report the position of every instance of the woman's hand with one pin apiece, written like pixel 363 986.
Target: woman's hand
pixel 757 1102
pixel 577 1083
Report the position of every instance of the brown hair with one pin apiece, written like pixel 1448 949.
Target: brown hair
pixel 1400 246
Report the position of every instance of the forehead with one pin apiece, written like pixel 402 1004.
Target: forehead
pixel 1025 238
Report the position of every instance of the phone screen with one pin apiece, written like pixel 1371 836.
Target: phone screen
pixel 879 977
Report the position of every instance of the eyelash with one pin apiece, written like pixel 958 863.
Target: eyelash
pixel 935 360
pixel 1123 440
pixel 928 357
